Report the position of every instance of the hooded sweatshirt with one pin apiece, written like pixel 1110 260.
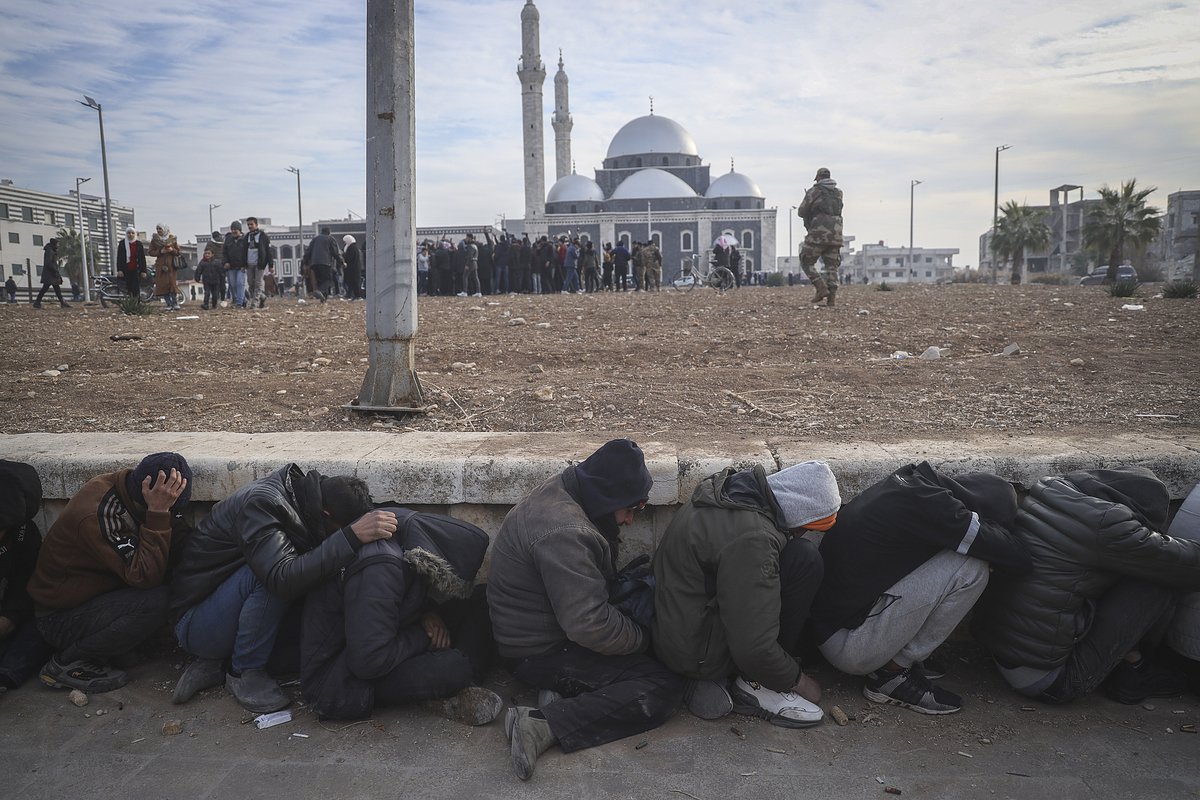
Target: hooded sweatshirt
pixel 362 624
pixel 20 540
pixel 717 594
pixel 898 524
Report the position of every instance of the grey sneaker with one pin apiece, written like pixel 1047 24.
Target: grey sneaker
pixel 81 674
pixel 257 691
pixel 529 739
pixel 474 705
pixel 911 689
pixel 201 674
pixel 707 699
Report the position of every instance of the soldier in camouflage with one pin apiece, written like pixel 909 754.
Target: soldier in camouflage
pixel 821 211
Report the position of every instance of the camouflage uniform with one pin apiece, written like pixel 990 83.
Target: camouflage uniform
pixel 821 211
pixel 653 268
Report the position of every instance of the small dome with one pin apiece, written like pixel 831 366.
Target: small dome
pixel 575 188
pixel 733 184
pixel 651 134
pixel 652 183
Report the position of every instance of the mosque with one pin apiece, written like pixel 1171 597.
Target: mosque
pixel 652 184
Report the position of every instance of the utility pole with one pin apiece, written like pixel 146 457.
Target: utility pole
pixel 791 219
pixel 83 259
pixel 108 232
pixel 912 272
pixel 211 206
pixel 301 290
pixel 391 381
pixel 996 208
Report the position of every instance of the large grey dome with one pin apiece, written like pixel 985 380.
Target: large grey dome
pixel 575 188
pixel 652 183
pixel 733 184
pixel 651 134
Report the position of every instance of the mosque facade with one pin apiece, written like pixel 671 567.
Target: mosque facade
pixel 652 184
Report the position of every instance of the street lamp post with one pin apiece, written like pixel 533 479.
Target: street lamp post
pixel 211 206
pixel 996 208
pixel 300 289
pixel 912 273
pixel 108 232
pixel 791 219
pixel 83 260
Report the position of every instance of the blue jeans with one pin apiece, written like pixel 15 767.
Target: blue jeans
pixel 240 619
pixel 572 284
pixel 237 286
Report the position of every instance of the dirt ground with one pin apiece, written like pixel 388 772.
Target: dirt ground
pixel 753 362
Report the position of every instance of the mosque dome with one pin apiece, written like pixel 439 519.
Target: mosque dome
pixel 733 184
pixel 651 134
pixel 651 183
pixel 575 188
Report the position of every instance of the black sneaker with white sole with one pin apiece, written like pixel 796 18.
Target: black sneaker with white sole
pixel 911 689
pixel 707 699
pixel 86 676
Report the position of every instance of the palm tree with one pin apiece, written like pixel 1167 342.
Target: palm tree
pixel 1120 220
pixel 1019 229
pixel 68 248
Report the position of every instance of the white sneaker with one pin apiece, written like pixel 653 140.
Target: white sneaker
pixel 461 294
pixel 785 709
pixel 477 294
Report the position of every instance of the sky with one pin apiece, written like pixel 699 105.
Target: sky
pixel 211 102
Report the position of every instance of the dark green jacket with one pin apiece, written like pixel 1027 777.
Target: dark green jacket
pixel 717 587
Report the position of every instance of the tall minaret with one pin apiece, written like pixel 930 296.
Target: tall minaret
pixel 532 74
pixel 562 123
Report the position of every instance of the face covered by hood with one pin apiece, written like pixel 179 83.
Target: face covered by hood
pixel 988 495
pixel 20 494
pixel 612 478
pixel 445 551
pixel 1136 488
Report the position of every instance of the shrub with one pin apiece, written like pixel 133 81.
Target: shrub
pixel 1123 289
pixel 884 286
pixel 1151 273
pixel 775 279
pixel 135 306
pixel 1181 290
pixel 1050 278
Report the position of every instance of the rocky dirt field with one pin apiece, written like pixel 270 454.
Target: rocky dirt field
pixel 753 362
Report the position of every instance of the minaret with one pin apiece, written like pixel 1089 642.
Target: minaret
pixel 562 123
pixel 532 74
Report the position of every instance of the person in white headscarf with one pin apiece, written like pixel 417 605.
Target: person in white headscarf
pixel 165 249
pixel 353 271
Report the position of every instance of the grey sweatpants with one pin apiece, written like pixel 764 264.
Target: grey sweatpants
pixel 913 617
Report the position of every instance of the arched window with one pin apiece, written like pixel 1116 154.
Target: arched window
pixel 748 263
pixel 747 240
pixel 665 161
pixel 274 252
pixel 286 251
pixel 624 238
pixel 685 241
pixel 656 237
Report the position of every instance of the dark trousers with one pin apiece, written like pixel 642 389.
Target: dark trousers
pixel 442 673
pixel 57 292
pixel 605 698
pixel 323 277
pixel 1124 616
pixel 22 655
pixel 133 283
pixel 108 625
pixel 212 293
pixel 800 572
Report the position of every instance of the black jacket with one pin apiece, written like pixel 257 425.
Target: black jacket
pixel 901 522
pixel 353 259
pixel 263 247
pixel 50 273
pixel 362 624
pixel 1086 531
pixel 322 249
pixel 20 539
pixel 275 525
pixel 234 251
pixel 123 255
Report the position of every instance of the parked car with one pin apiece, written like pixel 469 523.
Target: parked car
pixel 1125 272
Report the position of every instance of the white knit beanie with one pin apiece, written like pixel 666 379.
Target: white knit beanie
pixel 805 492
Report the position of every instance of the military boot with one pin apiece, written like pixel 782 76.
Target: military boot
pixel 822 290
pixel 530 738
pixel 830 292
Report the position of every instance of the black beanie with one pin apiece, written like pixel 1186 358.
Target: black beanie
pixel 612 478
pixel 150 466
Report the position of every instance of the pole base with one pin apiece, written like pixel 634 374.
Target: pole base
pixel 356 407
pixel 390 381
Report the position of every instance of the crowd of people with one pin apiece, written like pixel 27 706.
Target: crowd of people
pixel 758 577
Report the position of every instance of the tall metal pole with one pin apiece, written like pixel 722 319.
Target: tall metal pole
pixel 791 219
pixel 108 229
pixel 301 289
pixel 649 225
pixel 83 259
pixel 391 380
pixel 996 209
pixel 912 273
pixel 211 206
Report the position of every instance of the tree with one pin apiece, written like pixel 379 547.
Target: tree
pixel 1020 228
pixel 68 251
pixel 1122 220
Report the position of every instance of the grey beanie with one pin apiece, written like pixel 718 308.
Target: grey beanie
pixel 805 492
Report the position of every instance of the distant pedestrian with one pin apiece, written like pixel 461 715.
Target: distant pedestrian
pixel 621 259
pixel 235 264
pixel 571 268
pixel 606 281
pixel 257 246
pixel 165 249
pixel 131 255
pixel 51 276
pixel 210 274
pixel 470 255
pixel 423 269
pixel 10 290
pixel 589 264
pixel 322 254
pixel 821 210
pixel 353 273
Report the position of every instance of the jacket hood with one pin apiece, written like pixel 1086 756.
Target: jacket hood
pixel 447 552
pixel 742 489
pixel 988 495
pixel 830 182
pixel 1136 488
pixel 612 478
pixel 20 493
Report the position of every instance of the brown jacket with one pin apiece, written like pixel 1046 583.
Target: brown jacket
pixel 98 545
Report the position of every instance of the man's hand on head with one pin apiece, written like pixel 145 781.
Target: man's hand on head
pixel 167 489
pixel 374 525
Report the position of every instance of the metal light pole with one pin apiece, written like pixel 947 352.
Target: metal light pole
pixel 996 208
pixel 108 231
pixel 300 287
pixel 211 206
pixel 791 219
pixel 912 273
pixel 649 225
pixel 87 292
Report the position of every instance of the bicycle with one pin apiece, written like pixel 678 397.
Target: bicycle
pixel 111 289
pixel 719 278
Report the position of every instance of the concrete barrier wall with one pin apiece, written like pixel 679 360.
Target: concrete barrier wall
pixel 478 477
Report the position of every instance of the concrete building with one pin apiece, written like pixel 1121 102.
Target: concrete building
pixel 1177 242
pixel 29 217
pixel 1065 218
pixel 876 263
pixel 652 184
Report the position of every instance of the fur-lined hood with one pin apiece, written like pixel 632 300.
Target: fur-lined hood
pixel 447 552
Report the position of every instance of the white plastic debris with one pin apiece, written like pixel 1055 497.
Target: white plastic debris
pixel 931 353
pixel 900 355
pixel 183 318
pixel 271 720
pixel 1132 307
